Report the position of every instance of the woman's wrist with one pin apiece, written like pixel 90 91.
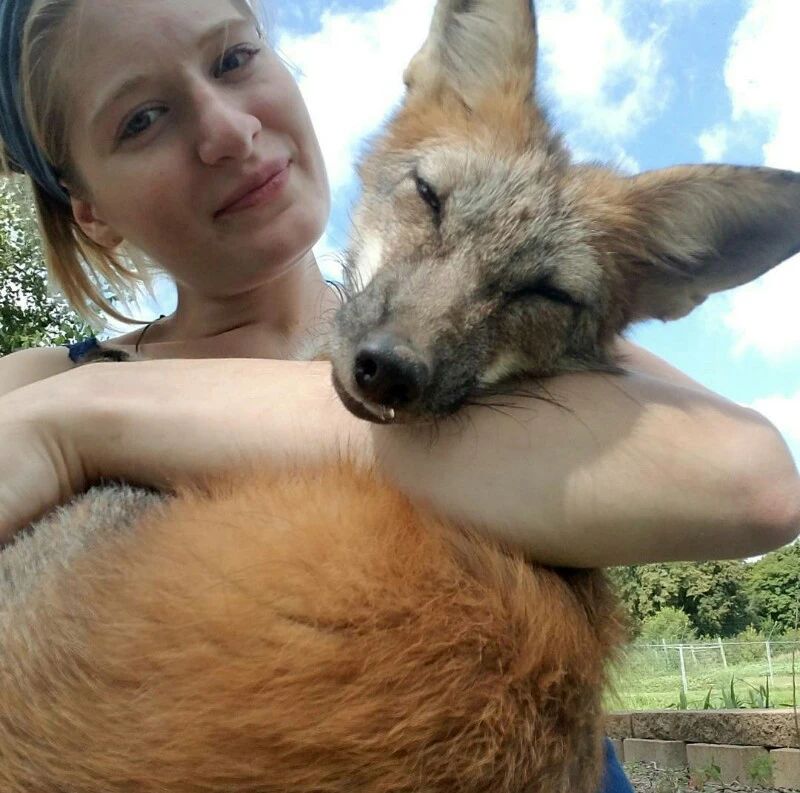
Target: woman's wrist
pixel 157 423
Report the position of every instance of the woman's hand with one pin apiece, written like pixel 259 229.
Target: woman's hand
pixel 159 423
pixel 39 467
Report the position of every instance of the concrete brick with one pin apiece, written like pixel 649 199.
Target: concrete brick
pixel 665 754
pixel 618 749
pixel 734 762
pixel 786 768
pixel 774 727
pixel 619 725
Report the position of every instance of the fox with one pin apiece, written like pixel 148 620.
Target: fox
pixel 313 629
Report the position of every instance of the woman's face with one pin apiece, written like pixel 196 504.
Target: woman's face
pixel 179 108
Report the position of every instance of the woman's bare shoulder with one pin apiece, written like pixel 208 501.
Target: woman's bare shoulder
pixel 29 366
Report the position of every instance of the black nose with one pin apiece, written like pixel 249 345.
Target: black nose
pixel 389 372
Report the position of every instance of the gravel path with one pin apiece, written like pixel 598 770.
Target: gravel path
pixel 647 779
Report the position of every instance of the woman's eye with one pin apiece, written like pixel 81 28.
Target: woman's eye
pixel 428 195
pixel 139 123
pixel 234 59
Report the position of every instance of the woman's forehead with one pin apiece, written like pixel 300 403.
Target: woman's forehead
pixel 119 45
pixel 180 22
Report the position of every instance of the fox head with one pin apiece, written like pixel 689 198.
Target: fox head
pixel 481 255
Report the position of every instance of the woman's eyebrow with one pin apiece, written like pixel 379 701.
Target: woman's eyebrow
pixel 132 83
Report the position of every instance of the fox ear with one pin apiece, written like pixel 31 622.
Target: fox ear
pixel 683 233
pixel 477 48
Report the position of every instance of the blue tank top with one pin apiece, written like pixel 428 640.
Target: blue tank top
pixel 81 348
pixel 615 780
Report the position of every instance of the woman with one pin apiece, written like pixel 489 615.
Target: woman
pixel 182 113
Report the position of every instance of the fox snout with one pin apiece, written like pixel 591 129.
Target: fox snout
pixel 383 377
pixel 389 372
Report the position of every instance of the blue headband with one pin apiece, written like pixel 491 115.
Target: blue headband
pixel 14 130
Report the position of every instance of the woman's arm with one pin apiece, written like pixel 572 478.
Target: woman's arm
pixel 28 366
pixel 637 469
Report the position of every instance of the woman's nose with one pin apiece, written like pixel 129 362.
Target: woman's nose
pixel 225 129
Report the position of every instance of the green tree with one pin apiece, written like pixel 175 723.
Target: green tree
pixel 670 624
pixel 30 316
pixel 714 595
pixel 643 589
pixel 774 588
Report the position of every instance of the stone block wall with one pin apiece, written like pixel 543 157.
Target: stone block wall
pixel 748 746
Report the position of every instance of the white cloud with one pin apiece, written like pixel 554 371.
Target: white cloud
pixel 761 75
pixel 684 6
pixel 762 315
pixel 601 76
pixel 784 413
pixel 610 153
pixel 350 73
pixel 714 143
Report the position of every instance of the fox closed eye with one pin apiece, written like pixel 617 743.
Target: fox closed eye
pixel 542 289
pixel 429 196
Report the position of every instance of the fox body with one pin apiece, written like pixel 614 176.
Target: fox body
pixel 302 631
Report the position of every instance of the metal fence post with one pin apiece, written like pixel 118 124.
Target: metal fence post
pixel 722 652
pixel 769 664
pixel 683 671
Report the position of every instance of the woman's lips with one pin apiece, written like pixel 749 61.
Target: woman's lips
pixel 269 190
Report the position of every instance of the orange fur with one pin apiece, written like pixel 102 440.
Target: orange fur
pixel 306 632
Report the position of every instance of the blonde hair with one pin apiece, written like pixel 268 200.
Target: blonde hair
pixel 81 267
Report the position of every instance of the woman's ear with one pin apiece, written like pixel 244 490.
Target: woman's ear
pixel 93 225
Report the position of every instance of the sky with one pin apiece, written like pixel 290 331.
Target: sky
pixel 639 84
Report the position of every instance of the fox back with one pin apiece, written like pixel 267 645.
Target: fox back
pixel 301 631
pixel 310 631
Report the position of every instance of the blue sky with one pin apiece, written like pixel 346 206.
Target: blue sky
pixel 641 84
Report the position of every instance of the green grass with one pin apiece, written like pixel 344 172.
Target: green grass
pixel 651 680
